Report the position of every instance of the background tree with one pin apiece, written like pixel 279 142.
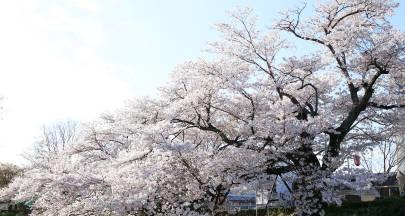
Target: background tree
pixel 385 157
pixel 53 140
pixel 7 173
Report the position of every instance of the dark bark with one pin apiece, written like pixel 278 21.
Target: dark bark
pixel 307 189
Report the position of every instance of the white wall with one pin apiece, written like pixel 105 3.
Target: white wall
pixel 401 168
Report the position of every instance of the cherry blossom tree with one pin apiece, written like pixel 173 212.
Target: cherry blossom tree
pixel 132 162
pixel 303 112
pixel 248 114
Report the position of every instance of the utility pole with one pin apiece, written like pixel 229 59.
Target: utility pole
pixel 256 200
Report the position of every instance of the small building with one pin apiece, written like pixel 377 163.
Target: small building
pixel 273 193
pixel 4 206
pixel 388 188
pixel 359 196
pixel 379 190
pixel 11 206
pixel 241 201
pixel 401 181
pixel 401 164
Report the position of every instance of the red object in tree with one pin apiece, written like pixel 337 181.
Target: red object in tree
pixel 356 160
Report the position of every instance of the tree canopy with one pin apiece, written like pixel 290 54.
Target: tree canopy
pixel 246 115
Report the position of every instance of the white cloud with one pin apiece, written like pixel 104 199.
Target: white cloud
pixel 88 5
pixel 50 70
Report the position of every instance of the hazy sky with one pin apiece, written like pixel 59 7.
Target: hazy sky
pixel 74 59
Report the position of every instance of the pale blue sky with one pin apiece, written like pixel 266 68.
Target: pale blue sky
pixel 155 35
pixel 74 59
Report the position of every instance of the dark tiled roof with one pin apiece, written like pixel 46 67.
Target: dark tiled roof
pixel 242 198
pixel 389 181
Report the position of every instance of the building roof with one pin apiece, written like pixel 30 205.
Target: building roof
pixel 248 197
pixel 389 181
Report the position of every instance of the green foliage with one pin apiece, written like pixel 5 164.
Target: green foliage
pixel 11 214
pixel 391 207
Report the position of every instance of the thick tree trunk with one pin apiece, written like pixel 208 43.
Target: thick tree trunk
pixel 308 196
pixel 308 187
